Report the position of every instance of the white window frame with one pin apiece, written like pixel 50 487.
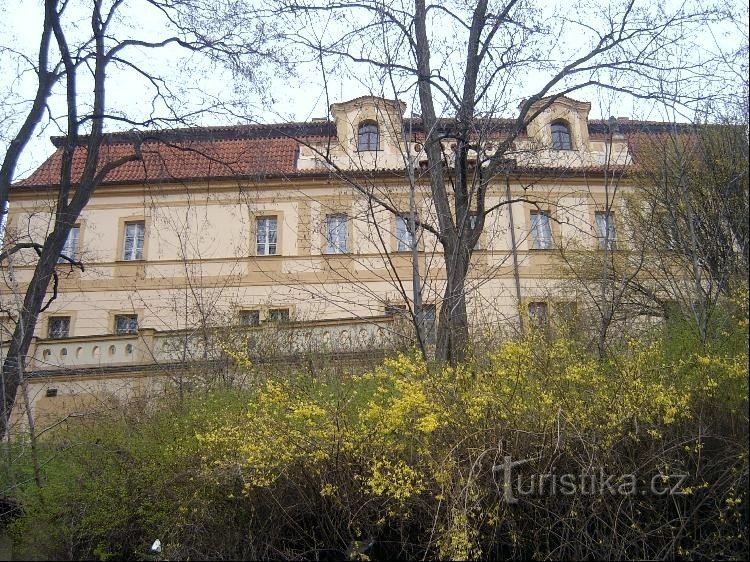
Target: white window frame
pixel 135 235
pixel 541 231
pixel 266 236
pixel 404 237
pixel 337 230
pixel 606 230
pixel 70 248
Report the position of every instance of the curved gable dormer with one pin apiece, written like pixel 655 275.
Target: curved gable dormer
pixel 546 128
pixel 358 116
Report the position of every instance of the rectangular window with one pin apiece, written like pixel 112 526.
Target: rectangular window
pixel 473 224
pixel 337 233
pixel 395 309
pixel 58 327
pixel 404 238
pixel 70 249
pixel 126 324
pixel 541 231
pixel 538 313
pixel 278 315
pixel 134 235
pixel 266 237
pixel 605 230
pixel 249 318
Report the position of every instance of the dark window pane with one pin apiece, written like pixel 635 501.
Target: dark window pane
pixel 59 327
pixel 368 137
pixel 278 315
pixel 249 318
pixel 126 324
pixel 561 137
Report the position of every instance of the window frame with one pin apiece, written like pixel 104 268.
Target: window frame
pixel 561 142
pixel 395 310
pixel 366 134
pixel 246 314
pixel 535 319
pixel 430 323
pixel 535 240
pixel 402 246
pixel 266 244
pixel 283 310
pixel 66 247
pixel 604 241
pixel 134 254
pixel 342 231
pixel 126 332
pixel 473 219
pixel 50 332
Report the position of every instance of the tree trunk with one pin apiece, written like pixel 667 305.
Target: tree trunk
pixel 453 324
pixel 27 317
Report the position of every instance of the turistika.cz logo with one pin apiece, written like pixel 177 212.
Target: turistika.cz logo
pixel 596 482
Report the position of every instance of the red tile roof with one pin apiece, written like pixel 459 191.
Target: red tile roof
pixel 223 158
pixel 235 152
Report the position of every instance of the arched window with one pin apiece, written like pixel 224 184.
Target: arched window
pixel 368 137
pixel 561 136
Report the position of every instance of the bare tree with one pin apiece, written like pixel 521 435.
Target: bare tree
pixel 85 159
pixel 48 73
pixel 691 213
pixel 462 82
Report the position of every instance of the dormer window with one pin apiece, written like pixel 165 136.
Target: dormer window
pixel 368 137
pixel 561 136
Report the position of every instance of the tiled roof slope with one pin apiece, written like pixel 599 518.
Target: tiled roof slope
pixel 231 152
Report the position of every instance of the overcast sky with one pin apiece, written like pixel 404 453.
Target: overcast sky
pixel 196 82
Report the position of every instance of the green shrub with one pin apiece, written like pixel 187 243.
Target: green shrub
pixel 398 462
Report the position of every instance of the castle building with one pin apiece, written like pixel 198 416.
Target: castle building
pixel 304 225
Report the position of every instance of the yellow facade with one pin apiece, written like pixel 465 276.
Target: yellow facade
pixel 200 265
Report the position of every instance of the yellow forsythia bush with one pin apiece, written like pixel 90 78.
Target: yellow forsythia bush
pixel 404 438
